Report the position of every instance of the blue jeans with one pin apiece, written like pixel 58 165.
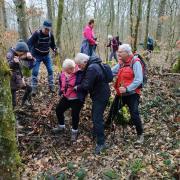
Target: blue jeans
pixel 47 62
pixel 88 49
pixel 98 108
pixel 113 54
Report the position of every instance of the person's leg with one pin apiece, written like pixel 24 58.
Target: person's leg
pixel 90 50
pixel 133 103
pixel 113 111
pixel 98 108
pixel 13 92
pixel 76 106
pixel 48 63
pixel 115 56
pixel 111 56
pixel 35 72
pixel 27 94
pixel 62 106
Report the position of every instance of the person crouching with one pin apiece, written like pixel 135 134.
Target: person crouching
pixel 68 79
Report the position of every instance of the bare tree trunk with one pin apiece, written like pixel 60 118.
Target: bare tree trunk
pixel 160 21
pixel 122 27
pixel 131 21
pixel 118 18
pixel 53 9
pixel 3 17
pixel 49 10
pixel 147 23
pixel 59 23
pixel 21 18
pixel 10 160
pixel 112 17
pixel 137 24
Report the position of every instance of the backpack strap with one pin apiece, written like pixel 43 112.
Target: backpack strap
pixel 135 59
pixel 104 72
pixel 38 31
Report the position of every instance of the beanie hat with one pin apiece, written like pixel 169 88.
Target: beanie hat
pixel 21 46
pixel 47 24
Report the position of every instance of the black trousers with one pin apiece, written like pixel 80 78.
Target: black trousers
pixel 132 101
pixel 65 104
pixel 98 108
pixel 26 96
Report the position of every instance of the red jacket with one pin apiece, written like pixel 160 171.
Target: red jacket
pixel 126 75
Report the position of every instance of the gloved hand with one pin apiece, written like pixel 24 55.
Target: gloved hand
pixel 75 88
pixel 55 51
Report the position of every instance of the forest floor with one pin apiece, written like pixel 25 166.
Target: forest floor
pixel 49 156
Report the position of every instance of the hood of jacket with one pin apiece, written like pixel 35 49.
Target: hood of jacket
pixel 94 59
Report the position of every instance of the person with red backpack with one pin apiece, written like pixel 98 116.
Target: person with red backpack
pixel 128 88
pixel 113 44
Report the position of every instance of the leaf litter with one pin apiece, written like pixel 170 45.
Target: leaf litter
pixel 49 156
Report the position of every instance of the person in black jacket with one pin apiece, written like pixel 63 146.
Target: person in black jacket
pixel 39 44
pixel 95 82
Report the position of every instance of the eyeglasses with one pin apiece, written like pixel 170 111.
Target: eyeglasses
pixel 121 51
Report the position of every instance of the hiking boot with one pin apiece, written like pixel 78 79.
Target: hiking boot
pixel 59 129
pixel 52 89
pixel 100 148
pixel 140 139
pixel 74 135
pixel 34 91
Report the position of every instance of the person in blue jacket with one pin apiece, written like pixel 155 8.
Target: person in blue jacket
pixel 39 44
pixel 95 83
pixel 150 44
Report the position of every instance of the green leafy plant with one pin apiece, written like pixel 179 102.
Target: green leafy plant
pixel 81 174
pixel 136 166
pixel 70 166
pixel 110 174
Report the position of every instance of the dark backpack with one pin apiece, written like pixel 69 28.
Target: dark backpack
pixel 144 68
pixel 107 72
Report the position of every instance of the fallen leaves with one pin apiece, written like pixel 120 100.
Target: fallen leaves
pixel 46 155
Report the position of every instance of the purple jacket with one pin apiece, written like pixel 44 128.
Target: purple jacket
pixel 16 76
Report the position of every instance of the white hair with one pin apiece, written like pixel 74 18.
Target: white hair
pixel 127 48
pixel 68 63
pixel 110 36
pixel 81 58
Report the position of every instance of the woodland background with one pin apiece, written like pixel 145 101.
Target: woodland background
pixel 32 152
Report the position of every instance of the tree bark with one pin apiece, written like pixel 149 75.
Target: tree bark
pixel 112 17
pixel 10 159
pixel 131 22
pixel 49 10
pixel 147 23
pixel 3 17
pixel 59 24
pixel 21 18
pixel 137 25
pixel 160 21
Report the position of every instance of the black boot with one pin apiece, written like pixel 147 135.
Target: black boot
pixel 27 95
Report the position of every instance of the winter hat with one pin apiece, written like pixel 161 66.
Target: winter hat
pixel 47 24
pixel 21 46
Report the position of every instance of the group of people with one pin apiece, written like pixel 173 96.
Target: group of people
pixel 82 75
